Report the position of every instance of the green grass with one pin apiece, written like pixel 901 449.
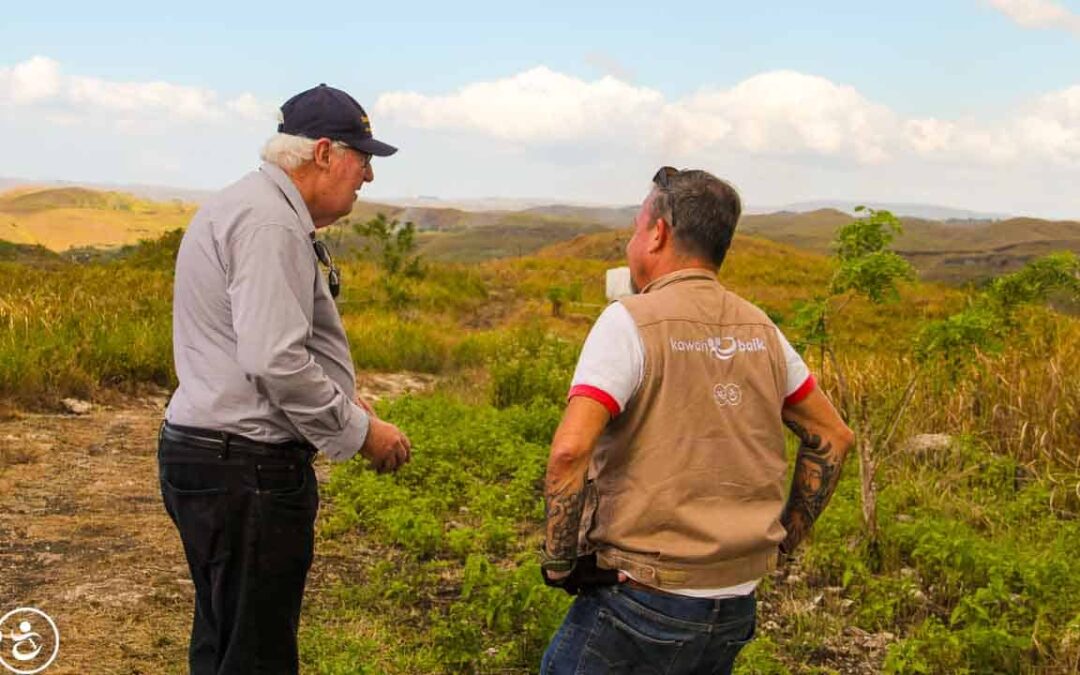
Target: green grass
pixel 978 568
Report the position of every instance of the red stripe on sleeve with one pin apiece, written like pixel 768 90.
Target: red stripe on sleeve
pixel 802 392
pixel 599 395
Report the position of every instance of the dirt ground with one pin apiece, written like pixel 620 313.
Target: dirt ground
pixel 84 536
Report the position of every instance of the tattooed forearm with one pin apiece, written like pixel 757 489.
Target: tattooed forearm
pixel 563 509
pixel 817 471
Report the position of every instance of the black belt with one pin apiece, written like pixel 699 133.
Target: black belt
pixel 223 442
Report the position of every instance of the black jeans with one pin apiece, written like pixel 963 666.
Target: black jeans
pixel 247 522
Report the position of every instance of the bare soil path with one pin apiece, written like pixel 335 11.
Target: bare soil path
pixel 84 536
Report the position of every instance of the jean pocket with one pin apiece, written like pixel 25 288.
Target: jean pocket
pixel 725 645
pixel 281 479
pixel 196 498
pixel 192 480
pixel 616 646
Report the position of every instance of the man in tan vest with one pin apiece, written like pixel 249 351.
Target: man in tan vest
pixel 666 486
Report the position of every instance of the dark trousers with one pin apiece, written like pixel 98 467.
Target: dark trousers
pixel 247 521
pixel 622 629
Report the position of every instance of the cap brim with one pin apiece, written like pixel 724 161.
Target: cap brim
pixel 373 147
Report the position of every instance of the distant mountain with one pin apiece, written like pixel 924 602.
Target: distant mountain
pixel 160 193
pixel 925 211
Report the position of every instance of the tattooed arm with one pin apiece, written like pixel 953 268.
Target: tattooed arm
pixel 571 450
pixel 824 440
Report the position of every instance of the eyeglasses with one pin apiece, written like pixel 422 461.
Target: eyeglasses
pixel 365 157
pixel 333 277
pixel 662 179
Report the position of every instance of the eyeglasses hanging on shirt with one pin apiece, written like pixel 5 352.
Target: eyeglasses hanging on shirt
pixel 333 277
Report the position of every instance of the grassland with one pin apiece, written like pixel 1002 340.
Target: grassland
pixel 979 564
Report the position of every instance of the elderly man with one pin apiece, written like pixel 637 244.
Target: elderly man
pixel 665 486
pixel 266 382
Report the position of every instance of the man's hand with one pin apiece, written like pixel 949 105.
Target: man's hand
pixel 386 447
pixel 586 575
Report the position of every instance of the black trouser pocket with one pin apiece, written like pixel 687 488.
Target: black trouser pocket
pixel 280 477
pixel 196 498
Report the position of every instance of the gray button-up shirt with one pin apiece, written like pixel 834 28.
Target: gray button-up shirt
pixel 259 346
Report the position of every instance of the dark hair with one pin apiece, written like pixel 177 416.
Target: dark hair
pixel 706 210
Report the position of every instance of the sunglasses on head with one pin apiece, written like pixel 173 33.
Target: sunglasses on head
pixel 662 179
pixel 333 277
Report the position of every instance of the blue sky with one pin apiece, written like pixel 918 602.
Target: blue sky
pixel 972 103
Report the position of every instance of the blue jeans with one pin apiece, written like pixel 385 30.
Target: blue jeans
pixel 622 629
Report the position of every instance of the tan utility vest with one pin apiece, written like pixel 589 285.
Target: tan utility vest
pixel 687 484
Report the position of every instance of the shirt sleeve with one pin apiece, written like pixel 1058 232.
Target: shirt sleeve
pixel 800 381
pixel 271 280
pixel 612 361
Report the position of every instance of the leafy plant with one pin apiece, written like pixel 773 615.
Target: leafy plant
pixel 394 243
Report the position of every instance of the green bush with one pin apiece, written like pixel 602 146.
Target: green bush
pixel 532 365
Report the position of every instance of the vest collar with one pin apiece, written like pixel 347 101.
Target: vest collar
pixel 679 275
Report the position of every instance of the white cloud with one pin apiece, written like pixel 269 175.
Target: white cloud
pixel 1046 130
pixel 1039 14
pixel 33 80
pixel 780 112
pixel 251 108
pixel 538 105
pixel 39 81
pixel 777 113
pixel 785 112
pixel 156 98
pixel 1052 126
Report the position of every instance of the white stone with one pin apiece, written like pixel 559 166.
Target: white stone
pixel 76 406
pixel 924 444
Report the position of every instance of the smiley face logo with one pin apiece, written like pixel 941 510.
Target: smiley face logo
pixel 727 394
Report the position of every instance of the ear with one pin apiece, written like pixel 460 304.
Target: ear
pixel 659 235
pixel 323 148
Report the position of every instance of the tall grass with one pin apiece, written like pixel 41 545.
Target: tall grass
pixel 72 330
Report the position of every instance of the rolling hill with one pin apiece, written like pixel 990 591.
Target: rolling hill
pixel 953 252
pixel 60 219
pixel 65 219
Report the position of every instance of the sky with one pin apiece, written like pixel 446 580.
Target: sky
pixel 966 103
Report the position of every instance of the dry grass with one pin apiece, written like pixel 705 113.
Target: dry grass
pixel 13 455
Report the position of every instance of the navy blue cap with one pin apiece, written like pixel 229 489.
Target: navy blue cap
pixel 325 112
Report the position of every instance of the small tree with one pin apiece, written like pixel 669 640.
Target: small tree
pixel 556 295
pixel 395 243
pixel 866 268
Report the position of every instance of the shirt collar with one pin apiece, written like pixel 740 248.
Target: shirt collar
pixel 680 275
pixel 292 195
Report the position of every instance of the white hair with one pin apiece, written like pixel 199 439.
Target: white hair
pixel 289 152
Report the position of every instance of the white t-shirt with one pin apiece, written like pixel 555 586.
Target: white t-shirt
pixel 612 366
